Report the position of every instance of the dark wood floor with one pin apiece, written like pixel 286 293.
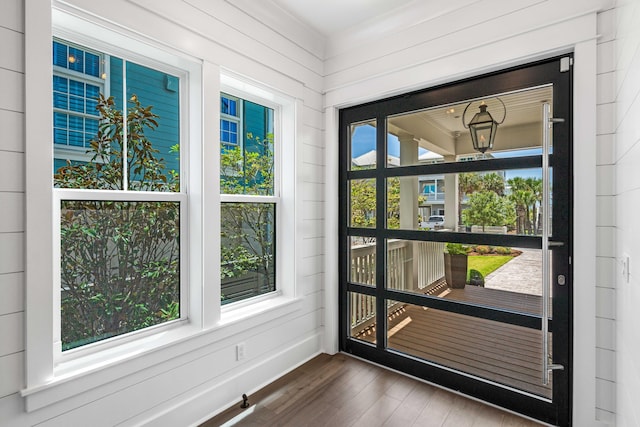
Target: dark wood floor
pixel 341 391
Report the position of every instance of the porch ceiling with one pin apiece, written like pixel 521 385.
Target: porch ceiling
pixel 440 129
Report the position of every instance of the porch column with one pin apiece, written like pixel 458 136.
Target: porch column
pixel 408 185
pixel 451 198
pixel 409 206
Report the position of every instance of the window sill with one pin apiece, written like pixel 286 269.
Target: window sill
pixel 89 372
pixel 241 310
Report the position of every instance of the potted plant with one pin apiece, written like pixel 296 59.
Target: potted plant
pixel 455 265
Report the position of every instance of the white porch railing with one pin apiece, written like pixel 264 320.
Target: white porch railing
pixel 403 272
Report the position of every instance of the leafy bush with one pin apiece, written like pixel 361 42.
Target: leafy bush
pixel 456 249
pixel 247 229
pixel 501 250
pixel 475 278
pixel 119 260
pixel 482 249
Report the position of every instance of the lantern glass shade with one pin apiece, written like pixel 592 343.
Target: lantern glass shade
pixel 483 129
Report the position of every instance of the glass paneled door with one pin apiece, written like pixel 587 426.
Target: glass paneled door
pixel 455 257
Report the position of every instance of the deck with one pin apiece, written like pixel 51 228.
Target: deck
pixel 513 301
pixel 499 352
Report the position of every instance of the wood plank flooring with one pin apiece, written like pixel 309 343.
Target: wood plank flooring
pixel 341 390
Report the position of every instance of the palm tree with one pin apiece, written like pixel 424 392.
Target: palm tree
pixel 535 186
pixel 526 193
pixel 493 182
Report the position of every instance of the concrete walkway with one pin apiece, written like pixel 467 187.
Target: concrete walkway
pixel 522 274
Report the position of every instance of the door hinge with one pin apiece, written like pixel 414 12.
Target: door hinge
pixel 565 64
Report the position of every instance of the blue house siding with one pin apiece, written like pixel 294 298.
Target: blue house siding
pixel 255 122
pixel 115 80
pixel 152 87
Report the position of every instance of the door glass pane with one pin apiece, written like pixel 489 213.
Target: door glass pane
pixel 496 202
pixel 362 316
pixel 363 145
pixel 362 203
pixel 495 351
pixel 438 135
pixel 500 277
pixel 363 260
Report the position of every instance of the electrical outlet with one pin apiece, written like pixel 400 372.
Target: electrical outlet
pixel 625 267
pixel 240 351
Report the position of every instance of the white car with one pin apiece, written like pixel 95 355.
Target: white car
pixel 434 222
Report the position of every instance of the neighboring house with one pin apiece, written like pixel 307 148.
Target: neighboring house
pixel 81 74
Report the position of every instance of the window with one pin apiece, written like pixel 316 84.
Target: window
pixel 230 122
pixel 124 228
pixel 249 199
pixel 77 81
pixel 121 207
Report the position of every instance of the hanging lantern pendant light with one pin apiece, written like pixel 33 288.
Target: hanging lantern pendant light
pixel 483 128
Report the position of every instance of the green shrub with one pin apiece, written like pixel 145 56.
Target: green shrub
pixel 456 249
pixel 475 278
pixel 501 250
pixel 483 249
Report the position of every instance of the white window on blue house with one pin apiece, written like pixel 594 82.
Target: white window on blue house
pixel 77 82
pixel 249 196
pixel 120 193
pixel 230 122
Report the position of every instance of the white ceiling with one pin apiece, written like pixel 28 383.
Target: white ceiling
pixel 331 16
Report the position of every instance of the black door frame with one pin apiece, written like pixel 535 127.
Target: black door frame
pixel 540 73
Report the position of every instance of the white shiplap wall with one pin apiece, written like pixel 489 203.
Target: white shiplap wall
pixel 403 54
pixel 605 221
pixel 11 200
pixel 173 387
pixel 627 204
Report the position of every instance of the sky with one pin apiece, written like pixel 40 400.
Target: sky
pixel 364 140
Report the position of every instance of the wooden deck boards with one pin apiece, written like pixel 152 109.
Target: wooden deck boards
pixel 513 301
pixel 500 352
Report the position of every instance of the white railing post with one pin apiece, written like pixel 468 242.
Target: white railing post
pixel 403 272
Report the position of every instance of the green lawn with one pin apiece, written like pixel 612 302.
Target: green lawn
pixel 485 264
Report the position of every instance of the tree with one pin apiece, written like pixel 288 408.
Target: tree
pixel 526 193
pixel 119 260
pixel 362 203
pixel 492 182
pixel 247 229
pixel 486 208
pixel 468 183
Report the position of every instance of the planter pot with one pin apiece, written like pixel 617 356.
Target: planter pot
pixel 455 270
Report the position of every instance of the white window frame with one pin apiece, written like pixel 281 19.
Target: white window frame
pixel 69 152
pixel 236 119
pixel 50 378
pixel 46 364
pixel 60 194
pixel 284 116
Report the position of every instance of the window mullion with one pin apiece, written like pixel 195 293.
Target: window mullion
pixel 125 130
